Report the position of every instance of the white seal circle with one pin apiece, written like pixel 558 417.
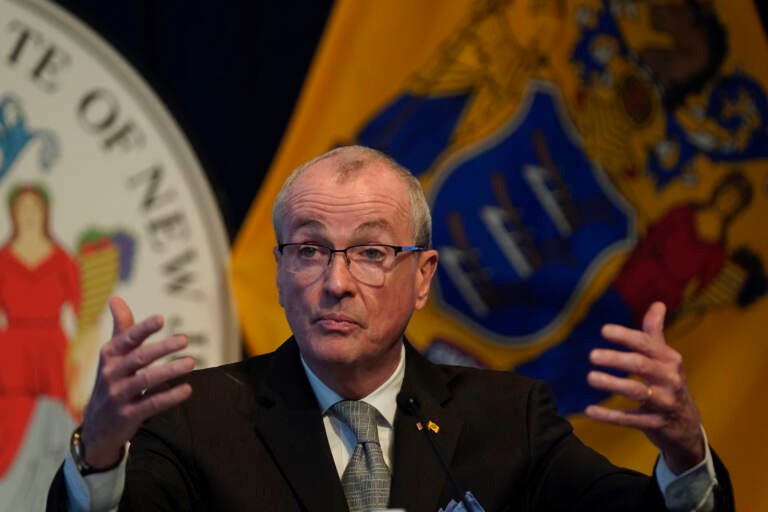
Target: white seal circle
pixel 100 195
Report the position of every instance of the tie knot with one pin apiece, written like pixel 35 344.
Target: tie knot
pixel 360 417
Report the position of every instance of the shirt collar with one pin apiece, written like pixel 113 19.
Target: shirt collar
pixel 383 398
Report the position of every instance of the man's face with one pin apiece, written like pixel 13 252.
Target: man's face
pixel 340 323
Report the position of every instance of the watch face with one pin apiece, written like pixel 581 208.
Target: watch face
pixel 76 449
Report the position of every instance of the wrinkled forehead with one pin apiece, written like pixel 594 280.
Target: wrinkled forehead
pixel 368 201
pixel 324 228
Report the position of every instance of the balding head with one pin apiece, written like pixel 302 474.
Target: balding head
pixel 347 161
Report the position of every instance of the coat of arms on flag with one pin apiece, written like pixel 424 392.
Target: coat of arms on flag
pixel 582 158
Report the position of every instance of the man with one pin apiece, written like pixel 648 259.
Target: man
pixel 354 262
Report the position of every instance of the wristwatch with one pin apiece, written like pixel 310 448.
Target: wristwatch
pixel 77 450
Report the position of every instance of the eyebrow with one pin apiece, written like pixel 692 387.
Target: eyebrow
pixel 308 223
pixel 373 225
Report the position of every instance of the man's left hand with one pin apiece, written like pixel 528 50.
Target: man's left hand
pixel 666 412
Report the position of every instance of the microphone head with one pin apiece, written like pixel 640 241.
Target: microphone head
pixel 408 403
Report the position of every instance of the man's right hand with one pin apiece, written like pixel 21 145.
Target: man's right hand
pixel 118 404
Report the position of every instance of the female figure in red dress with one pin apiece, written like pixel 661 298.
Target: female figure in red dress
pixel 38 278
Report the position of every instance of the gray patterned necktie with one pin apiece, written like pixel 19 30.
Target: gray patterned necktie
pixel 366 478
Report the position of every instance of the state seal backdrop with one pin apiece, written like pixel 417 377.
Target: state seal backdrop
pixel 100 195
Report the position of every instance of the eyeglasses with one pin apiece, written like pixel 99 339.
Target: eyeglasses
pixel 368 263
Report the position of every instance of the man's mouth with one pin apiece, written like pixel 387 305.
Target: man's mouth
pixel 336 322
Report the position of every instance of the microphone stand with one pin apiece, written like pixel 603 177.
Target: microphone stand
pixel 409 403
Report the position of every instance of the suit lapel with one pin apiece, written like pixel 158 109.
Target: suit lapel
pixel 290 423
pixel 418 480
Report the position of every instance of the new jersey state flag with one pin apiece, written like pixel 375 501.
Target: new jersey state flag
pixel 581 159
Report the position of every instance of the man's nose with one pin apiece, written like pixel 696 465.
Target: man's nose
pixel 337 278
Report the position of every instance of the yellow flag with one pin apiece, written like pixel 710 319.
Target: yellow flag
pixel 581 159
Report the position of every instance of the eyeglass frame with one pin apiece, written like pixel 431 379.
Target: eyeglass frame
pixel 399 249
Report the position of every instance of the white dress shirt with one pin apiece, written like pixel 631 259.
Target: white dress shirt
pixel 340 437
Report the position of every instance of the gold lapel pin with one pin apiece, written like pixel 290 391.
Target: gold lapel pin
pixel 431 425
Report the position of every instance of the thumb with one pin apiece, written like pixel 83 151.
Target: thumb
pixel 653 321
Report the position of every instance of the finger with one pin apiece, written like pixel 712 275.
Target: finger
pixel 152 377
pixel 633 419
pixel 130 338
pixel 633 339
pixel 653 321
pixel 650 397
pixel 146 355
pixel 631 362
pixel 629 388
pixel 122 317
pixel 159 402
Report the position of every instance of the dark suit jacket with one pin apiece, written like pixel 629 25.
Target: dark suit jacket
pixel 251 437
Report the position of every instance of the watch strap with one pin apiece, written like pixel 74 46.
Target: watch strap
pixel 77 450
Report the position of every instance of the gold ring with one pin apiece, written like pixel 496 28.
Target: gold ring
pixel 649 393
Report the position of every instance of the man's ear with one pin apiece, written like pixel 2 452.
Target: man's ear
pixel 276 253
pixel 424 274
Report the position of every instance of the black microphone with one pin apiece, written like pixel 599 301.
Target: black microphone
pixel 410 405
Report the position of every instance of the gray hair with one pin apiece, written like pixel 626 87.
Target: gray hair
pixel 354 158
